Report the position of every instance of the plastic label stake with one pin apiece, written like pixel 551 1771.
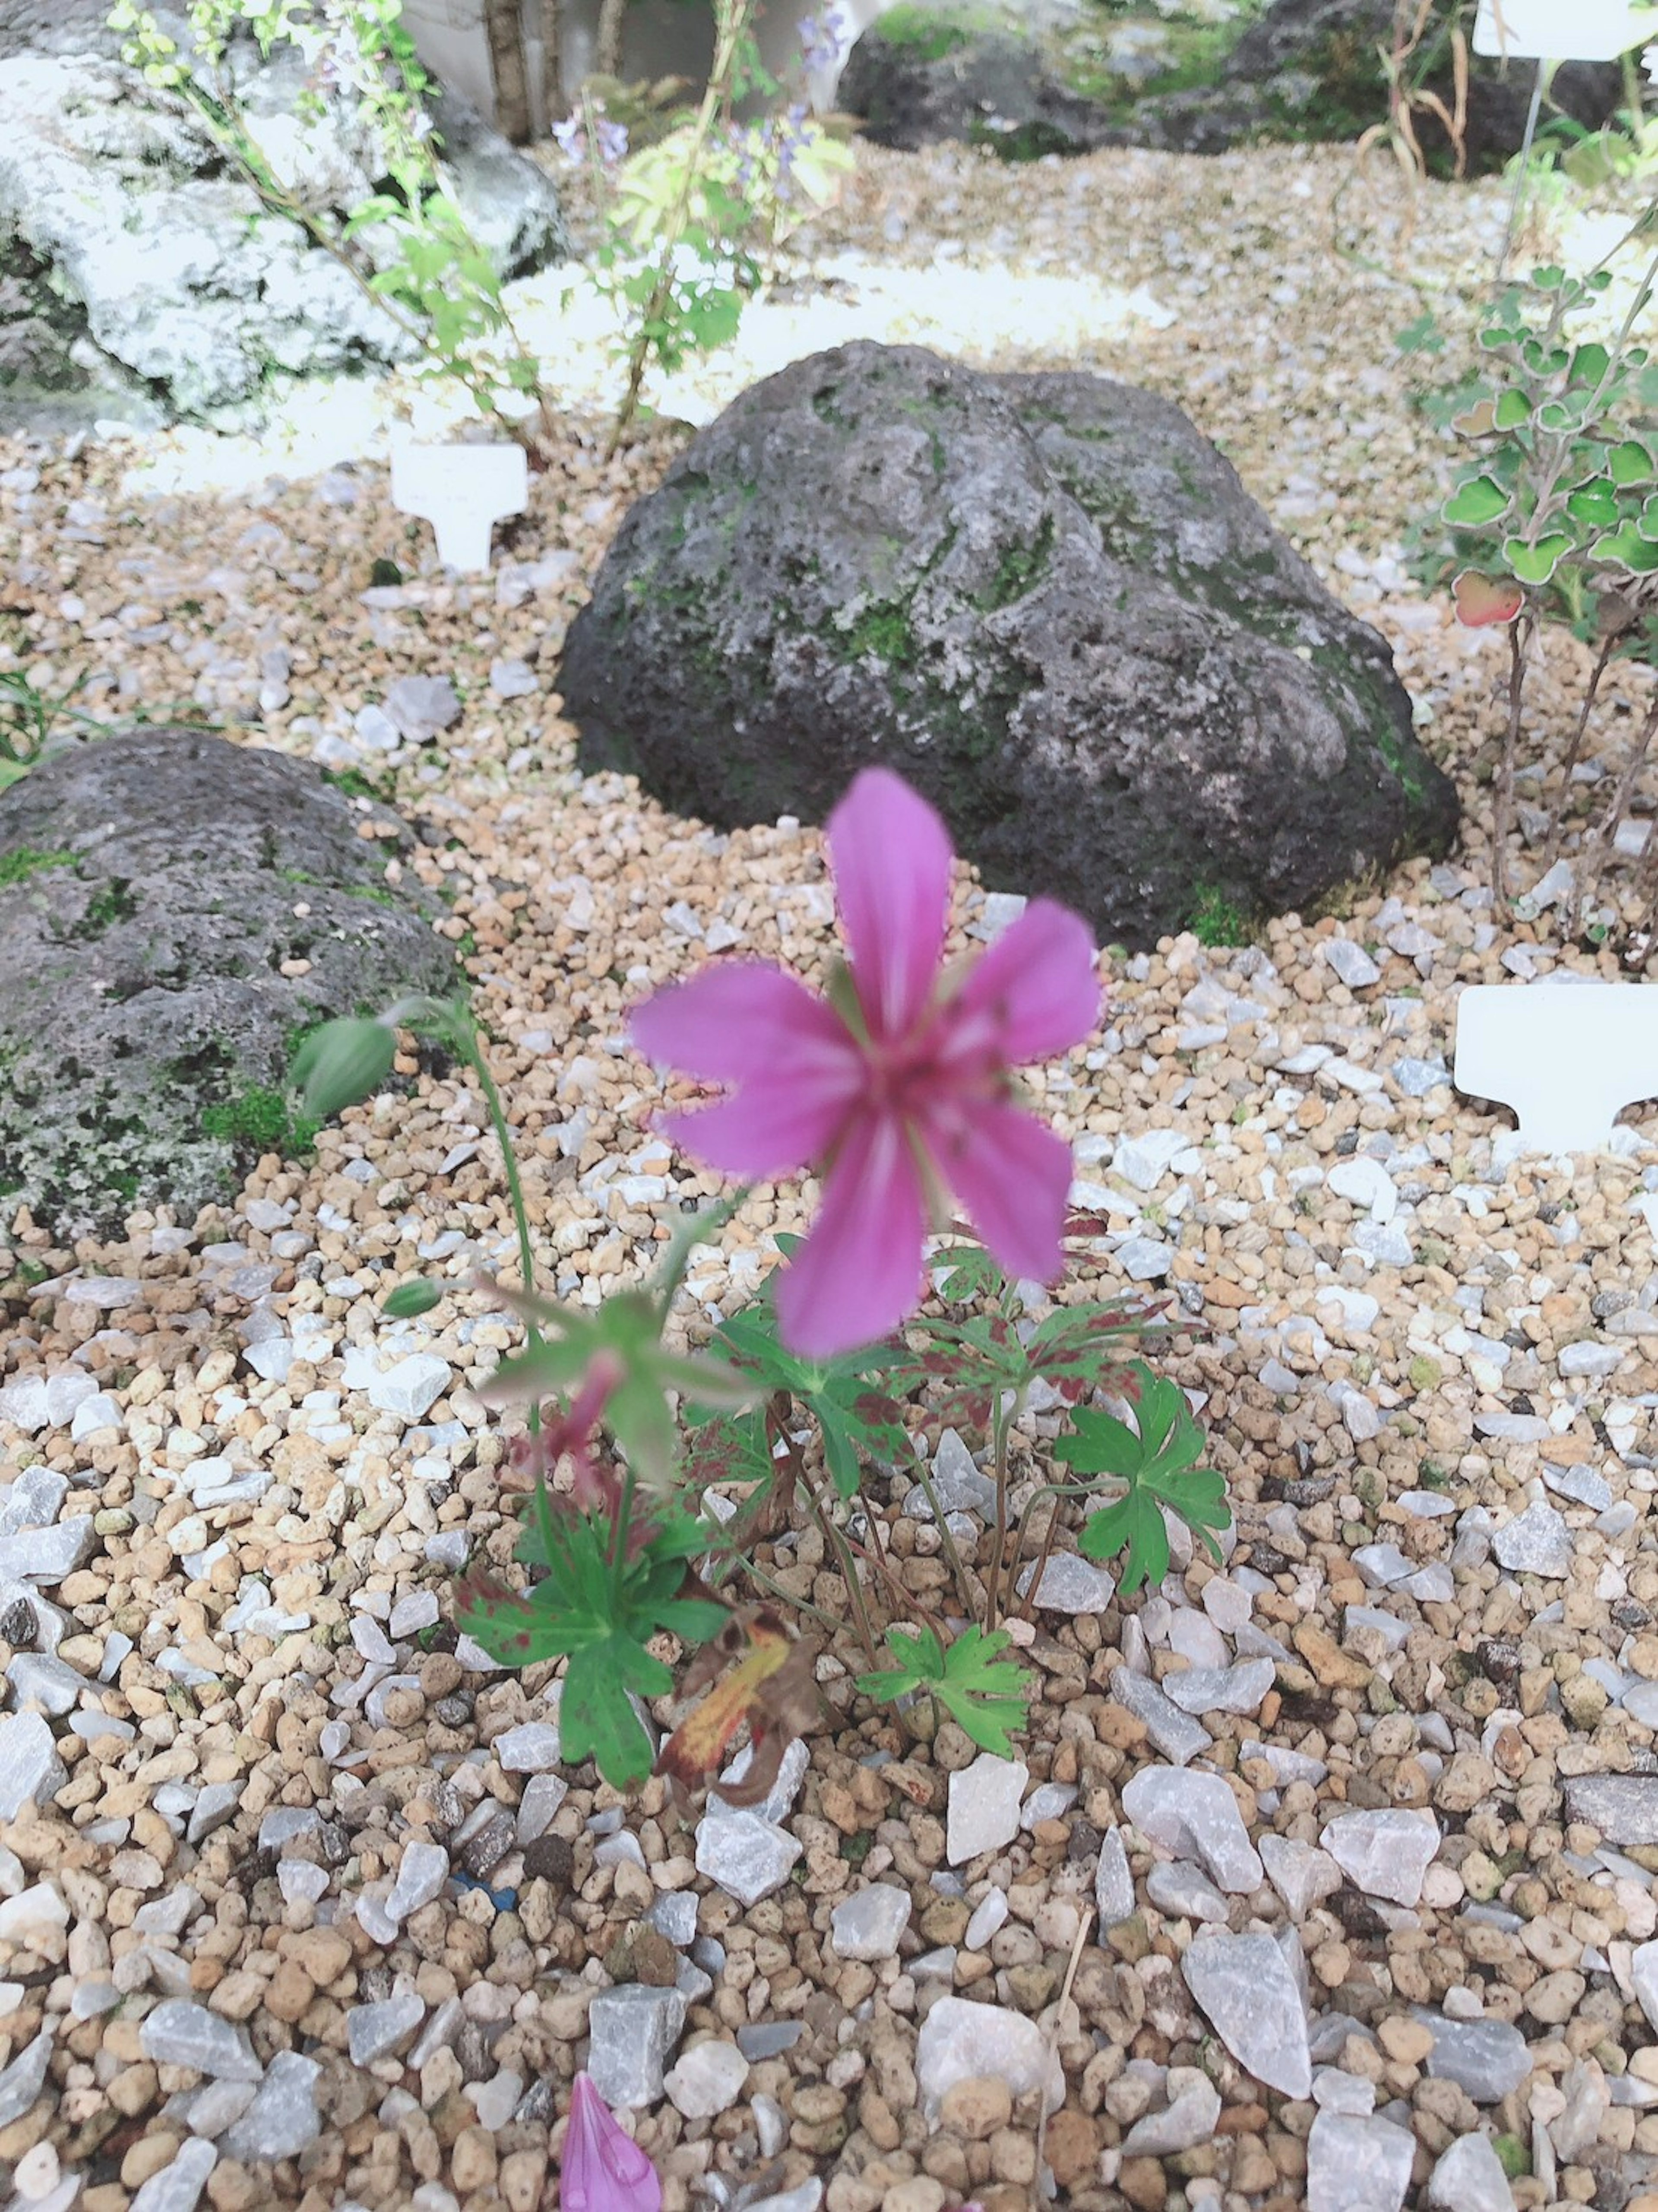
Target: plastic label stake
pixel 1568 1057
pixel 463 491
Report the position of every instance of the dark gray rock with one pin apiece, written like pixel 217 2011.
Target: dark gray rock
pixel 1045 600
pixel 148 888
pixel 143 278
pixel 1311 70
pixel 988 75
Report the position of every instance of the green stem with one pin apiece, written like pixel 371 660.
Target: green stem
pixel 947 1541
pixel 468 1043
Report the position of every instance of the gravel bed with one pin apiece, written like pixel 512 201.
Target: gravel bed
pixel 1344 1854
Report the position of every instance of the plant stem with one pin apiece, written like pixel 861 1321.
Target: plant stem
pixel 946 1540
pixel 1520 640
pixel 464 1034
pixel 833 1537
pixel 1594 859
pixel 1551 850
pixel 732 21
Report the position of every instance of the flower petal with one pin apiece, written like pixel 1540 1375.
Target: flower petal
pixel 1037 986
pixel 775 1125
pixel 858 1274
pixel 1013 1176
pixel 738 1019
pixel 604 2169
pixel 891 856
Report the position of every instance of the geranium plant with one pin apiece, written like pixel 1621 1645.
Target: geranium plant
pixel 897 1088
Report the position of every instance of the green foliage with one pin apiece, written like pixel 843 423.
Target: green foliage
pixel 341 1063
pixel 25 861
pixel 923 31
pixel 261 1119
pixel 1216 919
pixel 857 1422
pixel 409 1300
pixel 977 1362
pixel 1157 1460
pixel 598 1609
pixel 986 1692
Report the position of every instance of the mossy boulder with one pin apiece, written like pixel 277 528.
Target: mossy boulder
pixel 1045 599
pixel 175 909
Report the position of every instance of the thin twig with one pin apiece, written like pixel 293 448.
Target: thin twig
pixel 1520 642
pixel 1051 2038
pixel 1551 850
pixel 946 1540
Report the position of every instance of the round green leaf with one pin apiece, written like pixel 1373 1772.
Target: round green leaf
pixel 341 1063
pixel 1535 564
pixel 1630 462
pixel 411 1298
pixel 1473 505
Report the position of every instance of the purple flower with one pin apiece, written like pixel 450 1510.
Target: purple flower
pixel 612 141
pixel 604 2170
pixel 900 1083
pixel 571 138
pixel 820 39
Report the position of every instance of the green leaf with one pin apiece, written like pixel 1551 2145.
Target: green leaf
pixel 1136 1523
pixel 596 1719
pixel 1593 505
pixel 1630 462
pixel 1631 550
pixel 409 1299
pixel 985 1692
pixel 340 1064
pixel 1513 408
pixel 1473 504
pixel 1535 564
pixel 1156 1460
pixel 1589 364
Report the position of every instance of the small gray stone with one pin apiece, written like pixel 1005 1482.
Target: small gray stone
pixel 1591 1358
pixel 1238 1689
pixel 1380 1565
pixel 1580 1484
pixel 1357 2164
pixel 708 2079
pixel 34 1500
pixel 769 2039
pixel 1114 1881
pixel 1176 1888
pixel 633 2030
pixel 1195 1813
pixel 1193 2108
pixel 1070 1584
pixel 22 2082
pixel 531 1748
pixel 537 1807
pixel 1622 1807
pixel 1385 1852
pixel 868 1924
pixel 422 706
pixel 961 2041
pixel 412 1387
pixel 1175 1734
pixel 748 1858
pixel 1469 2177
pixel 422 1873
pixel 1244 1986
pixel 805 2197
pixel 41 1682
pixel 1143 1259
pixel 779 1801
pixel 1301 1872
pixel 513 679
pixel 984 1806
pixel 23 1404
pixel 180 2032
pixel 374 2031
pixel 674 1915
pixel 1416 1078
pixel 46 1555
pixel 1143 1160
pixel 283 2119
pixel 1486 2058
pixel 1352 962
pixel 31 1772
pixel 215 1803
pixel 1644 1978
pixel 411 1613
pixel 177 2187
pixel 960 1485
pixel 1537 1542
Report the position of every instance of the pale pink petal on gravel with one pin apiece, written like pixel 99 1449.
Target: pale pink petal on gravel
pixel 775 1125
pixel 1037 988
pixel 1012 1175
pixel 604 2169
pixel 740 1018
pixel 890 853
pixel 858 1272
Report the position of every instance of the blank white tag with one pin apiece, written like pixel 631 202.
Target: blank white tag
pixel 1561 30
pixel 1568 1057
pixel 463 491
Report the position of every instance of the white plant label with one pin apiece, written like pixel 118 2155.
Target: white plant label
pixel 1568 1057
pixel 463 491
pixel 1561 30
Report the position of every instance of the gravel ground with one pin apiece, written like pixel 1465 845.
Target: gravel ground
pixel 295 1906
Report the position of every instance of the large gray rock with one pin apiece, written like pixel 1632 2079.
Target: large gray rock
pixel 143 278
pixel 1045 600
pixel 989 75
pixel 148 888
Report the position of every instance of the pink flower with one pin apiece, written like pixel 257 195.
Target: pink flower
pixel 900 1083
pixel 604 2170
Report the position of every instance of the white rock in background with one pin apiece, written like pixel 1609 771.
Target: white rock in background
pixel 1191 1812
pixel 1469 2177
pixel 868 1924
pixel 960 2041
pixel 1385 1853
pixel 1244 1986
pixel 708 2079
pixel 984 1806
pixel 1357 2164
